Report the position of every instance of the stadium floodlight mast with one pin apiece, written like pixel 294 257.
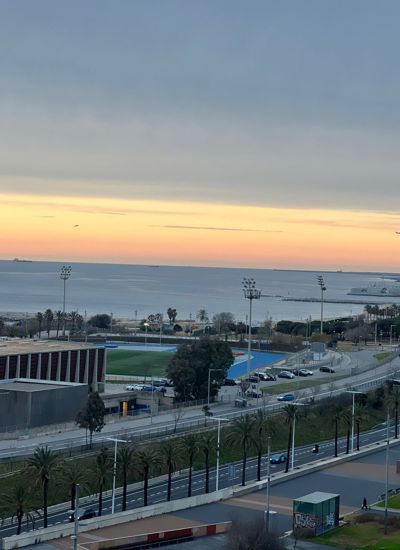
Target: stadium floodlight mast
pixel 321 283
pixel 65 275
pixel 251 293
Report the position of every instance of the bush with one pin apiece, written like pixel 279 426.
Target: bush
pixel 251 535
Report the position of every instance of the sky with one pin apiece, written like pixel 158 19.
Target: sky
pixel 237 133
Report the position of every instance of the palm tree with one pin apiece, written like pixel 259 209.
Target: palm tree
pixel 59 316
pixel 39 319
pixel 207 447
pixel 20 501
pixel 48 318
pixel 147 460
pixel 337 417
pixel 347 418
pixel 290 412
pixel 44 462
pixel 102 474
pixel 73 474
pixel 241 433
pixel 359 416
pixel 392 396
pixel 262 428
pixel 124 462
pixel 169 450
pixel 190 448
pixel 73 318
pixel 202 316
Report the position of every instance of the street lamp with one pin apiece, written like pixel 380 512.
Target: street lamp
pixel 387 469
pixel 219 419
pixel 251 293
pixel 65 275
pixel 209 383
pixel 321 283
pixel 352 417
pixel 146 326
pixel 116 441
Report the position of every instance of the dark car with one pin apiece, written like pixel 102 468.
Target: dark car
pixel 300 372
pixel 253 379
pixel 326 369
pixel 278 458
pixel 86 514
pixel 229 382
pixel 269 377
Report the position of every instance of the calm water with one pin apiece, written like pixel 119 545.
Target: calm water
pixel 135 291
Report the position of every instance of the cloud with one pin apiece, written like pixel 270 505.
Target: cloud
pixel 205 228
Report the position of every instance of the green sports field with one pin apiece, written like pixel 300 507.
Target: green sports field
pixel 137 363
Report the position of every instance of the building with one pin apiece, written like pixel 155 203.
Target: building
pixel 45 360
pixel 27 404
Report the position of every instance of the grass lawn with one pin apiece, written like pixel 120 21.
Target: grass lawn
pixel 382 355
pixel 137 363
pixel 366 536
pixel 299 384
pixel 393 502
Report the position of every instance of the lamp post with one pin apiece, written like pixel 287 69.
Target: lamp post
pixel 294 430
pixel 321 283
pixel 387 469
pixel 146 326
pixel 116 441
pixel 209 383
pixel 64 276
pixel 352 417
pixel 250 293
pixel 74 537
pixel 267 512
pixel 219 419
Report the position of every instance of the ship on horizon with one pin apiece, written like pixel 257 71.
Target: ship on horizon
pixel 376 289
pixel 23 261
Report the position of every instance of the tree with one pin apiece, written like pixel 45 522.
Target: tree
pixel 224 322
pixel 39 319
pixel 48 319
pixel 189 368
pixel 252 535
pixel 392 398
pixel 20 501
pixel 91 417
pixel 102 474
pixel 337 417
pixel 359 416
pixel 348 419
pixel 190 448
pixel 290 412
pixel 59 318
pixel 202 317
pixel 262 429
pixel 169 450
pixel 240 434
pixel 73 474
pixel 147 460
pixel 172 314
pixel 124 462
pixel 207 412
pixel 102 320
pixel 207 448
pixel 44 463
pixel 73 318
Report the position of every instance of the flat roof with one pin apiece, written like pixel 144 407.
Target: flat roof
pixel 316 498
pixel 26 386
pixel 23 346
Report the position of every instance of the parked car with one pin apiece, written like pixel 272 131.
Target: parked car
pixel 308 371
pixel 269 377
pixel 265 376
pixel 299 372
pixel 285 374
pixel 326 369
pixel 253 379
pixel 86 514
pixel 278 458
pixel 286 397
pixel 134 387
pixel 160 382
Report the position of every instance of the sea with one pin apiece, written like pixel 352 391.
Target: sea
pixel 136 291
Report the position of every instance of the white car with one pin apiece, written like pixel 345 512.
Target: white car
pixel 308 372
pixel 134 387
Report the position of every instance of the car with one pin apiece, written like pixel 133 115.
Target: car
pixel 253 393
pixel 134 387
pixel 253 379
pixel 286 397
pixel 229 382
pixel 285 374
pixel 308 371
pixel 86 514
pixel 326 369
pixel 160 382
pixel 269 377
pixel 300 372
pixel 278 458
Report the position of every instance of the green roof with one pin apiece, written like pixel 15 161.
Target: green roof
pixel 316 498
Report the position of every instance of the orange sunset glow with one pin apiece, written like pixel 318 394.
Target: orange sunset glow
pixel 194 233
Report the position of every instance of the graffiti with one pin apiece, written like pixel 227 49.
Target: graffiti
pixel 304 520
pixel 330 520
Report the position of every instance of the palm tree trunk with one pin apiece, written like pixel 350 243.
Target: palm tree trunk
pixel 190 476
pixel 336 437
pixel 145 486
pixel 259 456
pixel 100 500
pixel 169 482
pixel 20 515
pixel 244 466
pixel 124 492
pixel 45 498
pixel 207 465
pixel 348 442
pixel 358 436
pixel 73 494
pixel 396 422
pixel 288 447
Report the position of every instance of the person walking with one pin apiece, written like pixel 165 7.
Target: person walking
pixel 364 504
